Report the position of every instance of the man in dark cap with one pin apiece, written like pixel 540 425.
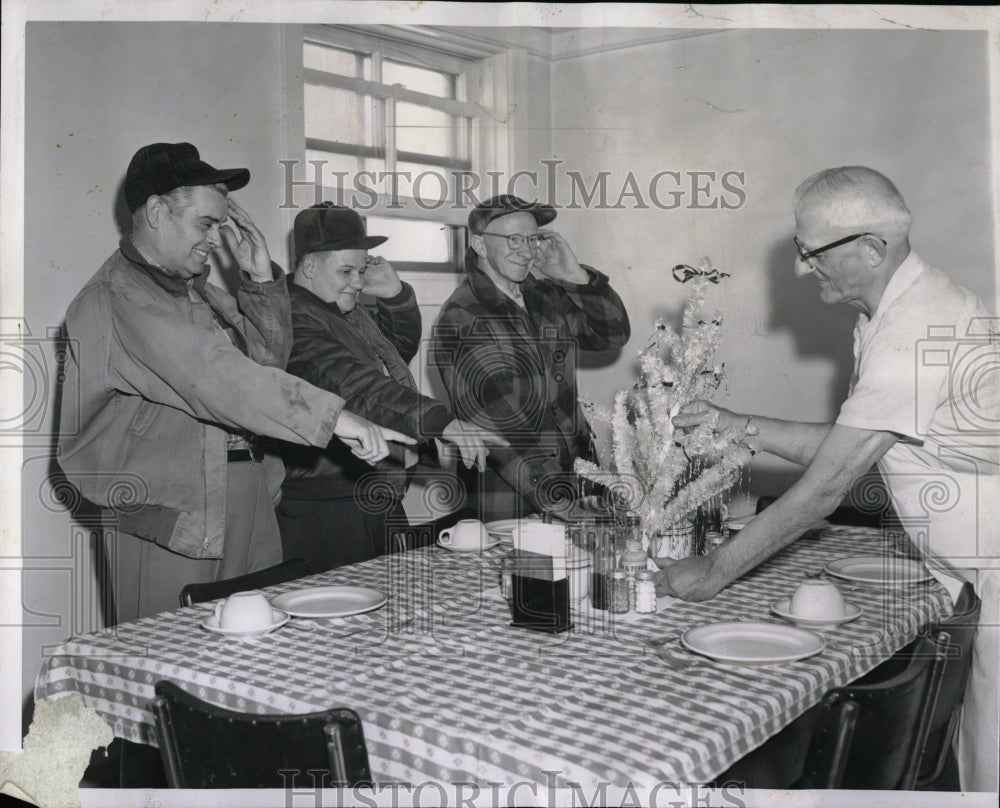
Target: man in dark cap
pixel 507 344
pixel 335 510
pixel 175 379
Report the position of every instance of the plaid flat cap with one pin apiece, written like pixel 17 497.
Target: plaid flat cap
pixel 161 167
pixel 497 206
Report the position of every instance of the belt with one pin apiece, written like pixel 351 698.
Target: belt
pixel 252 454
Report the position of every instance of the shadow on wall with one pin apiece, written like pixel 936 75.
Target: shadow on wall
pixel 821 331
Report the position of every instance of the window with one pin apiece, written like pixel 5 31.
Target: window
pixel 395 136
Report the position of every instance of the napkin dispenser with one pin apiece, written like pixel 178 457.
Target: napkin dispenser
pixel 539 584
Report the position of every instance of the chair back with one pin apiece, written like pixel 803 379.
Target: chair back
pixel 871 736
pixel 204 746
pixel 960 629
pixel 213 590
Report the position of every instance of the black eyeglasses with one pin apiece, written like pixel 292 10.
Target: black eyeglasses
pixel 805 255
pixel 517 240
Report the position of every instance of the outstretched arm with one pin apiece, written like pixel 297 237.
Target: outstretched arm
pixel 843 456
pixel 795 441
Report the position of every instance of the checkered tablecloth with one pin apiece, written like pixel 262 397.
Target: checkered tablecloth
pixel 447 691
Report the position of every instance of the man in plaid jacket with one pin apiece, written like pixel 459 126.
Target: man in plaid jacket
pixel 507 345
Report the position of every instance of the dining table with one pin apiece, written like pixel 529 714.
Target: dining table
pixel 449 691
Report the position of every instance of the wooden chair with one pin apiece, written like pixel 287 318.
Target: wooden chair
pixel 213 590
pixel 960 629
pixel 204 746
pixel 871 736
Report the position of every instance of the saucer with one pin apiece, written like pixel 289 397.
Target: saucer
pixel 493 542
pixel 211 623
pixel 781 609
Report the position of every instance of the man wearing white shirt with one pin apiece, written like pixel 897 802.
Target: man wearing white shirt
pixel 924 404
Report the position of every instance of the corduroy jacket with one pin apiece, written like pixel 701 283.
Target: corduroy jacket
pixel 156 388
pixel 362 357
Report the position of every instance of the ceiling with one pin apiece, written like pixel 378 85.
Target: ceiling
pixel 552 44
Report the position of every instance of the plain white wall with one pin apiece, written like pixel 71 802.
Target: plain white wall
pixel 777 105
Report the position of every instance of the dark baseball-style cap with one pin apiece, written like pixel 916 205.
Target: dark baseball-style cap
pixel 162 167
pixel 327 226
pixel 497 206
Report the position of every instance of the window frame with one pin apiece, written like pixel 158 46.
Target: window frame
pixel 468 76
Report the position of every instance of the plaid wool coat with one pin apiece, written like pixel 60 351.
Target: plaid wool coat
pixel 514 371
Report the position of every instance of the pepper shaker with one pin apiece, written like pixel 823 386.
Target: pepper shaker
pixel 618 602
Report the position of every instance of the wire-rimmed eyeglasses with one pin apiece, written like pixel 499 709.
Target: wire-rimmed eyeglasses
pixel 517 240
pixel 805 255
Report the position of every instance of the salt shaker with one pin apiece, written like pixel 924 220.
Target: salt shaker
pixel 618 599
pixel 633 560
pixel 645 592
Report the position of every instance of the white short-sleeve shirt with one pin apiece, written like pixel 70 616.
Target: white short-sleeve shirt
pixel 927 369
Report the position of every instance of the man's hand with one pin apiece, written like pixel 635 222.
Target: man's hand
pixel 687 579
pixel 250 249
pixel 367 440
pixel 472 441
pixel 381 279
pixel 555 259
pixel 697 412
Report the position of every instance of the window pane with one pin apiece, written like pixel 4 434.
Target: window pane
pixel 335 114
pixel 418 79
pixel 429 131
pixel 336 60
pixel 343 163
pixel 411 240
pixel 427 184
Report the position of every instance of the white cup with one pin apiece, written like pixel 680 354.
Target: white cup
pixel 244 611
pixel 817 599
pixel 466 534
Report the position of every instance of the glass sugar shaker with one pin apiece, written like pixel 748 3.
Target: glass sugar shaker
pixel 645 592
pixel 507 567
pixel 618 601
pixel 713 540
pixel 600 572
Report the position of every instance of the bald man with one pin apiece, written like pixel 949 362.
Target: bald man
pixel 928 425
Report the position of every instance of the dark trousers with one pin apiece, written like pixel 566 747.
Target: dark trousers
pixel 148 578
pixel 331 533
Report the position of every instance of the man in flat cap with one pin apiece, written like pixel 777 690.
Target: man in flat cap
pixel 334 509
pixel 507 345
pixel 176 379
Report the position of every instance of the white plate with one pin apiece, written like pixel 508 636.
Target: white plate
pixel 503 529
pixel 493 542
pixel 330 601
pixel 212 624
pixel 751 643
pixel 781 609
pixel 879 570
